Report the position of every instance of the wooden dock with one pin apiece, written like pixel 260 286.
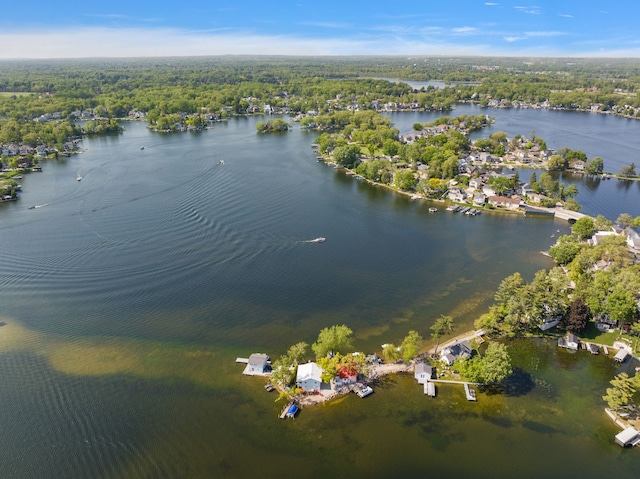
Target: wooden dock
pixel 470 393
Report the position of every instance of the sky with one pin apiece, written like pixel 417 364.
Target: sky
pixel 135 28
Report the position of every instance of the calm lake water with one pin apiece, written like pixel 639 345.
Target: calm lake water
pixel 127 296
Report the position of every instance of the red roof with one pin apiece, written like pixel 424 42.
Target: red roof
pixel 346 372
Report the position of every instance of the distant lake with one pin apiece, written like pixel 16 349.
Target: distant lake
pixel 127 296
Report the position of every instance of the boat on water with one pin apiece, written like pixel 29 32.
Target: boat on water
pixel 364 391
pixel 433 209
pixel 79 178
pixel 142 147
pixel 317 240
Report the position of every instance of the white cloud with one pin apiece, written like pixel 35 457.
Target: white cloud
pixel 529 10
pixel 513 39
pixel 565 15
pixel 491 4
pixel 465 30
pixel 545 34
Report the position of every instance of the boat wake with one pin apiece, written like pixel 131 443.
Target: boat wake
pixel 316 240
pixel 38 206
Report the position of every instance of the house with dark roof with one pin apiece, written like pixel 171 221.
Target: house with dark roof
pixel 452 353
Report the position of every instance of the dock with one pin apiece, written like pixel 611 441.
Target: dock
pixel 284 412
pixel 470 393
pixel 242 360
pixel 430 389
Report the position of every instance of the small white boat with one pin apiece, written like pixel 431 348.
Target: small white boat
pixel 364 392
pixel 79 178
pixel 221 162
pixel 317 240
pixel 433 209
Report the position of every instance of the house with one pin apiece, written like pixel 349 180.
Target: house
pixel 457 195
pixel 451 354
pixel 423 372
pixel 489 191
pixel 502 201
pixel 633 238
pixel 479 199
pixel 259 363
pixel 621 355
pixel 347 374
pixel 475 183
pixel 309 377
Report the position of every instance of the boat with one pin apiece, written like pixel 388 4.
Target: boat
pixel 269 387
pixel 142 147
pixel 292 411
pixel 433 209
pixel 221 162
pixel 31 207
pixel 79 178
pixel 363 392
pixel 317 240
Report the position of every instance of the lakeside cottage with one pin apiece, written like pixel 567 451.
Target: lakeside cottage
pixel 309 377
pixel 258 363
pixel 423 372
pixel 451 354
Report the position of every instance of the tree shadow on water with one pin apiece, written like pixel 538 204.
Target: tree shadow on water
pixel 518 384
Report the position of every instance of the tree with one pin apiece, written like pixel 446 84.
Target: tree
pixel 570 191
pixel 625 220
pixel 390 352
pixel 601 223
pixel 583 228
pixel 578 317
pixel 443 325
pixel 556 162
pixel 495 364
pixel 411 344
pixel 405 180
pixel 346 155
pixel 493 367
pixel 628 170
pixel 533 178
pixel 621 305
pixel 595 166
pixel 417 126
pixel 564 252
pixel 297 353
pixel 335 339
pixel 621 393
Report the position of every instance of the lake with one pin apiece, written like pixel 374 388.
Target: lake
pixel 127 296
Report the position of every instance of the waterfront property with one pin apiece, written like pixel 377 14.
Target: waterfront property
pixel 309 377
pixel 257 364
pixel 424 372
pixel 452 353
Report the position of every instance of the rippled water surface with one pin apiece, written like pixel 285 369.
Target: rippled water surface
pixel 127 296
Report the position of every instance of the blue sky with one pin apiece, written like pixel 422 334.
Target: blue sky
pixel 116 28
